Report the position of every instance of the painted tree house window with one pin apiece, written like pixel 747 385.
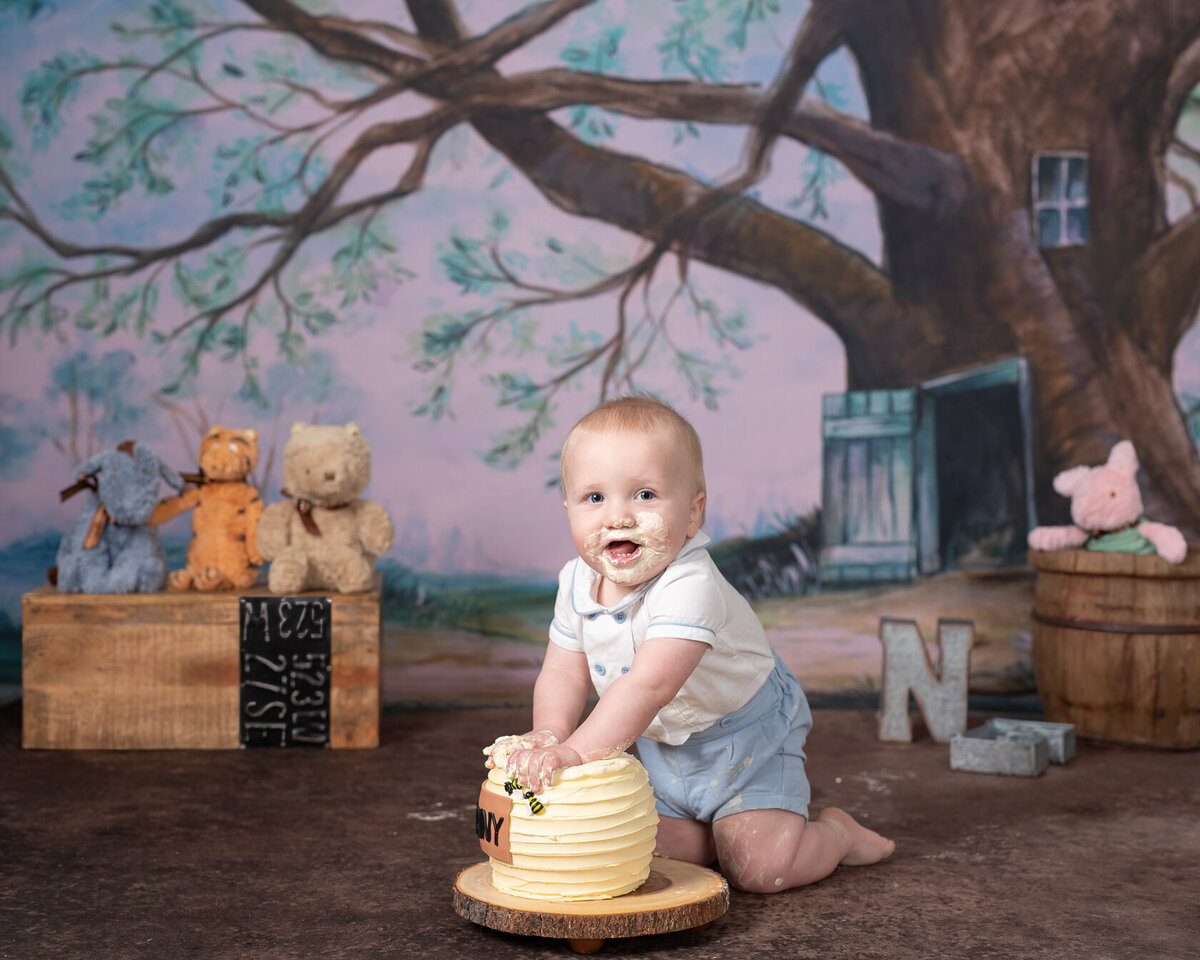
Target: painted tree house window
pixel 1060 199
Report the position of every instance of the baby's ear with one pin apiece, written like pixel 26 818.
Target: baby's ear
pixel 696 516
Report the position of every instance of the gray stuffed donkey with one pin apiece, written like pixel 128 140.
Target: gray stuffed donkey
pixel 112 548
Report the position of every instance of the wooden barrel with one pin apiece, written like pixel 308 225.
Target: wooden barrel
pixel 1116 645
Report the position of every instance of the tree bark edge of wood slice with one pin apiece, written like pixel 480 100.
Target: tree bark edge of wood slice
pixel 676 896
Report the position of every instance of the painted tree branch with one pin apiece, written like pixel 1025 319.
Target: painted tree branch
pixel 819 35
pixel 333 38
pixel 1185 75
pixel 184 49
pixel 509 35
pixel 140 257
pixel 415 45
pixel 911 174
pixel 816 38
pixel 1165 289
pixel 1186 186
pixel 837 284
pixel 344 40
pixel 1192 153
pixel 318 212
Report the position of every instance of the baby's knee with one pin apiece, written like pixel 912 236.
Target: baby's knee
pixel 754 876
pixel 758 848
pixel 751 868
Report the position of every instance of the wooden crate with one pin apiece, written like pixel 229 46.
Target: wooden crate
pixel 162 670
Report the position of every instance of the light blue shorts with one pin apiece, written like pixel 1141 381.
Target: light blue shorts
pixel 751 759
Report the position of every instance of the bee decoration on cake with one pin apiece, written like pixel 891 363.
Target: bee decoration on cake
pixel 535 804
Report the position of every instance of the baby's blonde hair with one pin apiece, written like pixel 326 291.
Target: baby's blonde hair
pixel 640 413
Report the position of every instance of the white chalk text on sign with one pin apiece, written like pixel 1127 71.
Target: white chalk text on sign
pixel 285 671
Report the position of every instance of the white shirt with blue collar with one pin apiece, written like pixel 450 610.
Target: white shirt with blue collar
pixel 690 600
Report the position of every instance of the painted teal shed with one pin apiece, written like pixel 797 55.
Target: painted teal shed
pixel 926 478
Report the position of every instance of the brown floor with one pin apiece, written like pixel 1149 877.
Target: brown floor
pixel 322 854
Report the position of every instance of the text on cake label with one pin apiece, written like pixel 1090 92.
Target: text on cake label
pixel 492 817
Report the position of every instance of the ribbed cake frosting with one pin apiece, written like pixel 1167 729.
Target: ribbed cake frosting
pixel 592 840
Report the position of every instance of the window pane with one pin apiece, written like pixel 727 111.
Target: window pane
pixel 1049 185
pixel 1076 178
pixel 1077 225
pixel 1048 227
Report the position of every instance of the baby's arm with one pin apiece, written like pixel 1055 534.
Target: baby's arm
pixel 560 692
pixel 559 696
pixel 660 667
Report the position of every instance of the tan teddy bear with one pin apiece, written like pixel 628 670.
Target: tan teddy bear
pixel 222 552
pixel 325 536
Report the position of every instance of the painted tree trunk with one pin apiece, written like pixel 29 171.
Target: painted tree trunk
pixel 962 95
pixel 994 87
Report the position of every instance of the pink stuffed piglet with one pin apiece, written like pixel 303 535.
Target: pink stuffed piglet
pixel 1106 506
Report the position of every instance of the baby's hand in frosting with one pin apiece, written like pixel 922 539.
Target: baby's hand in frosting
pixel 535 768
pixel 498 753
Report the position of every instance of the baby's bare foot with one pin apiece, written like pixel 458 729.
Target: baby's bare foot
pixel 866 846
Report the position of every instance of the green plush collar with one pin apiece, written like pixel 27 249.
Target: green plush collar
pixel 1123 540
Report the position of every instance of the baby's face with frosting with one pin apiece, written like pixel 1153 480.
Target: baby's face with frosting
pixel 632 502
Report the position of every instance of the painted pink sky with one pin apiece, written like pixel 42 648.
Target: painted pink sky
pixel 452 512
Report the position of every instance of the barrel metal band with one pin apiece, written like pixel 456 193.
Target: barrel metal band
pixel 1165 629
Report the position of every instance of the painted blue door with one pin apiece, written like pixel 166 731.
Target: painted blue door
pixel 872 445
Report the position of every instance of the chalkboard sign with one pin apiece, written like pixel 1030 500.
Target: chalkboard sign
pixel 286 663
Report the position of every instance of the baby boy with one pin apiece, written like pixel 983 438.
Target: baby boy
pixel 680 663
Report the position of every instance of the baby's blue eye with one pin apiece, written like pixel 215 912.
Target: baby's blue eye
pixel 645 495
pixel 595 498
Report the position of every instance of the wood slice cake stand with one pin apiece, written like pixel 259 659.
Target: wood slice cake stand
pixel 676 896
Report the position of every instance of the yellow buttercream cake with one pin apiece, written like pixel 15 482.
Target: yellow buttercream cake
pixel 588 836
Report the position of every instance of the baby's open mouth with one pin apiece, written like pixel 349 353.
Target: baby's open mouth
pixel 622 551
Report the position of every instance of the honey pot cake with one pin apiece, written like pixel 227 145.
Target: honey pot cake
pixel 590 835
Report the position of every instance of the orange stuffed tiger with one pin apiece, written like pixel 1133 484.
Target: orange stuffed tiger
pixel 223 552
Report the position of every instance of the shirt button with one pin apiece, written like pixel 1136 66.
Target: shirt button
pixel 592 616
pixel 619 617
pixel 726 721
pixel 599 668
pixel 624 669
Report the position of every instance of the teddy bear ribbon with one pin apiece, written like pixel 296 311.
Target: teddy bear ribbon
pixel 87 481
pixel 304 508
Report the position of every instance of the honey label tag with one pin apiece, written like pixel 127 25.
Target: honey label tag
pixel 493 814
